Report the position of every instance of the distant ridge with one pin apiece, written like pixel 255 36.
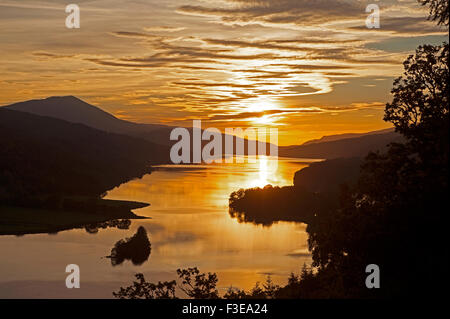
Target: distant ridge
pixel 74 110
pixel 68 108
pixel 330 138
pixel 346 147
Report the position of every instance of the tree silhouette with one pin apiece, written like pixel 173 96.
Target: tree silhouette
pixel 194 284
pixel 268 290
pixel 438 10
pixel 391 217
pixel 198 285
pixel 141 289
pixel 419 109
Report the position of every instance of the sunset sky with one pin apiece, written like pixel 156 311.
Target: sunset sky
pixel 309 67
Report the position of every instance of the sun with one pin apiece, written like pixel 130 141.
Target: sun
pixel 264 120
pixel 261 105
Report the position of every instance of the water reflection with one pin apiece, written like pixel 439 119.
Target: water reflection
pixel 116 223
pixel 190 226
pixel 136 248
pixel 190 207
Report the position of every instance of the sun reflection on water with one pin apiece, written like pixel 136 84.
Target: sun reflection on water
pixel 192 226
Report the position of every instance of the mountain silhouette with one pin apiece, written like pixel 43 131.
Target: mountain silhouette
pixel 336 137
pixel 43 155
pixel 346 147
pixel 74 110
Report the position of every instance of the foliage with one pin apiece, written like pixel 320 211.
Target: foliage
pixel 270 204
pixel 267 291
pixel 390 216
pixel 141 289
pixel 419 109
pixel 438 10
pixel 198 285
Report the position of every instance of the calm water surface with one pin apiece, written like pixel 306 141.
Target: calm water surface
pixel 189 227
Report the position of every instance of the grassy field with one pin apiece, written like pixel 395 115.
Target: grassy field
pixel 20 220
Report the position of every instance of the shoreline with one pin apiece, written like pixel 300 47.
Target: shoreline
pixel 19 221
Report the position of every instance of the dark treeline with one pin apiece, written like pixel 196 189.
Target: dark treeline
pixel 44 159
pixel 268 205
pixel 315 191
pixel 197 285
pixel 115 223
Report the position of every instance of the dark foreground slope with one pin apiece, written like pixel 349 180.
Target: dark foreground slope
pixel 42 156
